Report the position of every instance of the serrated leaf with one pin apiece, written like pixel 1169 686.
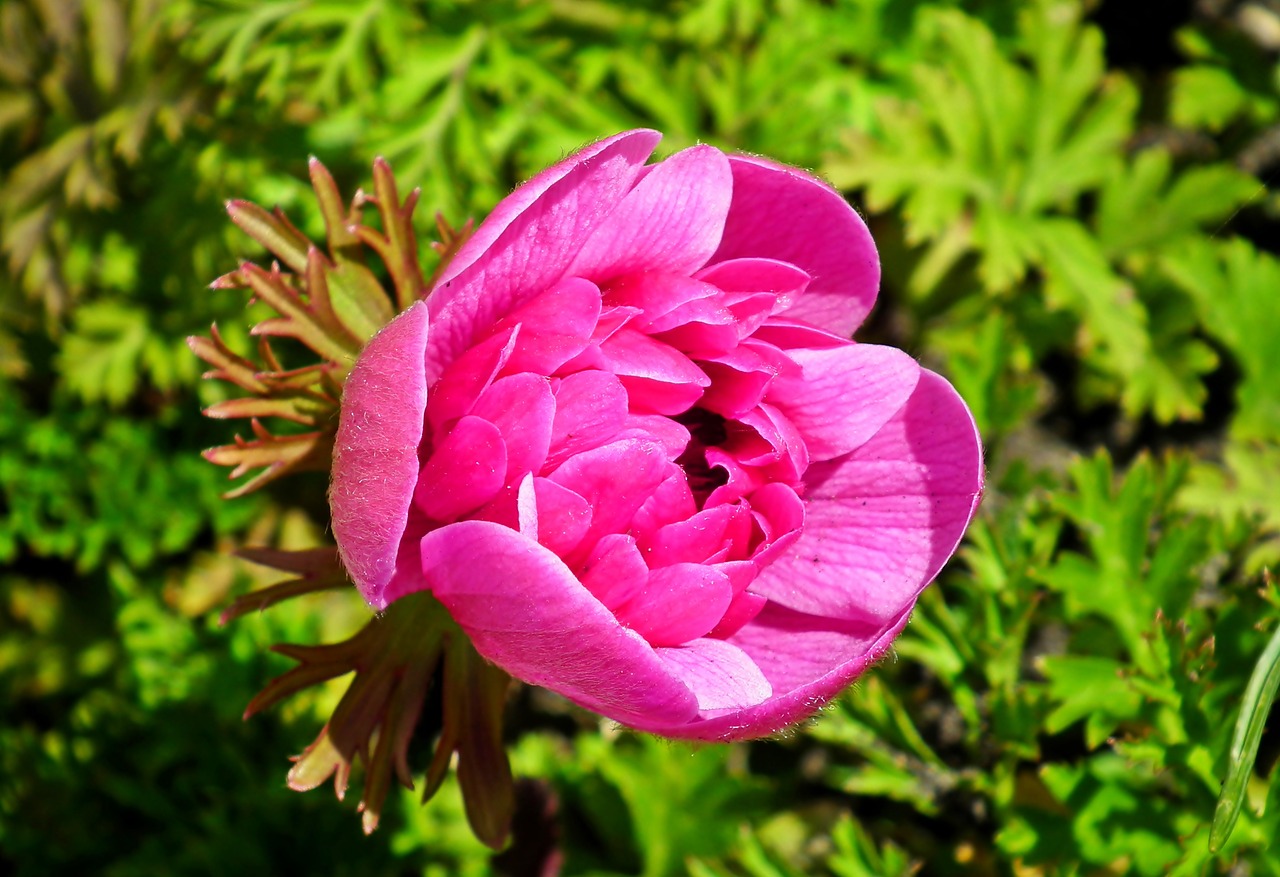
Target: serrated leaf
pixel 1205 96
pixel 1235 289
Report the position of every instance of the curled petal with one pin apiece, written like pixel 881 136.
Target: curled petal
pixel 678 603
pixel 807 661
pixel 615 480
pixel 658 378
pixel 525 611
pixel 881 522
pixel 783 213
pixel 615 571
pixel 671 221
pixel 522 408
pixel 721 675
pixel 554 327
pixel 528 241
pixel 843 395
pixel 375 457
pixel 465 472
pixel 591 408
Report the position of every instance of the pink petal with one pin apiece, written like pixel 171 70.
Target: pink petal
pixel 465 472
pixel 707 331
pixel 738 382
pixel 781 516
pixel 528 241
pixel 784 281
pixel 563 517
pixel 741 612
pixel 522 408
pixel 375 454
pixel 555 327
pixel 881 522
pixel 843 395
pixel 655 295
pixel 694 539
pixel 785 334
pixel 671 221
pixel 659 379
pixel 785 445
pixel 721 675
pixel 467 377
pixel 525 611
pixel 805 660
pixel 678 603
pixel 782 213
pixel 672 436
pixel 615 571
pixel 615 480
pixel 591 407
pixel 670 501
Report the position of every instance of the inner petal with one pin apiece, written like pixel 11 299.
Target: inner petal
pixel 523 409
pixel 678 603
pixel 466 471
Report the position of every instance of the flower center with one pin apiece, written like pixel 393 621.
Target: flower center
pixel 707 430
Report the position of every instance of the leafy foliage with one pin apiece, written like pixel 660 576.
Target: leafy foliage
pixel 1078 230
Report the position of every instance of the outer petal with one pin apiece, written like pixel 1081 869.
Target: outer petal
pixel 375 455
pixel 779 212
pixel 722 676
pixel 671 221
pixel 843 395
pixel 527 243
pixel 881 521
pixel 807 661
pixel 526 612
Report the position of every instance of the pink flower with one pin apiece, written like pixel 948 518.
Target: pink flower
pixel 626 443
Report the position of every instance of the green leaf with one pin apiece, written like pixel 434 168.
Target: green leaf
pixel 1094 689
pixel 1234 288
pixel 1141 208
pixel 1254 712
pixel 1205 96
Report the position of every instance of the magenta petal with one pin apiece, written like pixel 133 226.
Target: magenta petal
pixel 843 395
pixel 678 603
pixel 671 221
pixel 465 472
pixel 782 213
pixel 780 514
pixel 563 517
pixel 806 661
pixel 591 407
pixel 554 327
pixel 375 454
pixel 525 611
pixel 467 377
pixel 694 539
pixel 784 281
pixel 784 334
pixel 721 675
pixel 528 241
pixel 522 408
pixel 615 571
pixel 615 480
pixel 738 381
pixel 658 378
pixel 655 295
pixel 672 500
pixel 741 612
pixel 672 436
pixel 881 521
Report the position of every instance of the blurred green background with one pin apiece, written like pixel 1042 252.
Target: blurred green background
pixel 1076 207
